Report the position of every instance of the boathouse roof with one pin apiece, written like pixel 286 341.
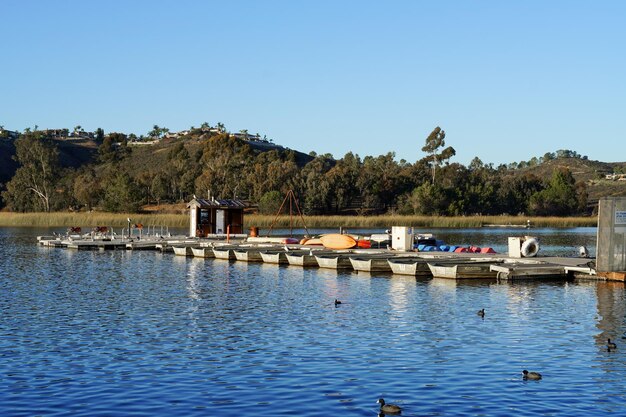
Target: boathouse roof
pixel 217 203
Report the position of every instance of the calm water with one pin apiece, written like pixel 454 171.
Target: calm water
pixel 144 333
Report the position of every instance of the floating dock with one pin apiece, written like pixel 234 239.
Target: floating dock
pixel 455 266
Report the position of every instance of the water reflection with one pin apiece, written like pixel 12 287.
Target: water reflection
pixel 611 311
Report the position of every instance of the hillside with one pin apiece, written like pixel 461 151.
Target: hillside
pixel 76 152
pixel 147 157
pixel 592 173
pixel 73 153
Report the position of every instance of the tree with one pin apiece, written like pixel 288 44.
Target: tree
pixel 34 181
pixel 343 179
pixel 113 148
pixel 157 132
pixel 434 144
pixel 427 199
pixel 548 156
pixel 559 198
pixel 122 194
pixel 87 189
pixel 317 192
pixel 159 187
pixel 224 160
pixel 99 134
pixel 270 202
pixel 182 171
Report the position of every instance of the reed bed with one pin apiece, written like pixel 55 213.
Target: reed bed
pixel 91 219
pixel 59 219
pixel 386 221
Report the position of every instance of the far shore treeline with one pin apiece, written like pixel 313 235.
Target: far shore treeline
pixel 115 173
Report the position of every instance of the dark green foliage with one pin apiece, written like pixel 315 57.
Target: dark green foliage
pixel 99 135
pixel 270 202
pixel 114 148
pixel 87 189
pixel 559 198
pixel 121 194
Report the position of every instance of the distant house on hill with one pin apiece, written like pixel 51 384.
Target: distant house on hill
pixel 9 134
pixel 56 133
pixel 82 135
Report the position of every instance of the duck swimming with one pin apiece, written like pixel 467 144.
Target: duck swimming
pixel 610 345
pixel 481 312
pixel 535 376
pixel 388 408
pixel 337 302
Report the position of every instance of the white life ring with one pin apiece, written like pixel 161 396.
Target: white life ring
pixel 530 247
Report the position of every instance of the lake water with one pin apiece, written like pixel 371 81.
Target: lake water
pixel 145 333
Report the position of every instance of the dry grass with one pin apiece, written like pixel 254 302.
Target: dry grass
pixel 182 220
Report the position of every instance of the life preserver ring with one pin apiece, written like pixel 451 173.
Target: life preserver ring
pixel 530 247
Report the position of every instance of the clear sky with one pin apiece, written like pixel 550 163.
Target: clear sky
pixel 506 80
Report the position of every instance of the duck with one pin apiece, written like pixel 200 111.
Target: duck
pixel 610 345
pixel 481 312
pixel 388 408
pixel 337 302
pixel 535 376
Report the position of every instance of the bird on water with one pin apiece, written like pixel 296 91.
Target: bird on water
pixel 535 376
pixel 481 312
pixel 388 408
pixel 610 345
pixel 337 302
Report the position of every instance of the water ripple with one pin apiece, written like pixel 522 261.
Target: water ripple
pixel 141 333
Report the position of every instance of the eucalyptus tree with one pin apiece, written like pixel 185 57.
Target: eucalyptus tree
pixel 318 193
pixel 223 163
pixel 434 147
pixel 87 189
pixel 33 184
pixel 343 179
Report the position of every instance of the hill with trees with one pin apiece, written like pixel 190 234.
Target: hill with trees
pixel 46 171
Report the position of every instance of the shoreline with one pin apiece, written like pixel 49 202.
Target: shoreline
pixel 63 219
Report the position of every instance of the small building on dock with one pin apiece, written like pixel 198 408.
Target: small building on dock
pixel 215 216
pixel 611 243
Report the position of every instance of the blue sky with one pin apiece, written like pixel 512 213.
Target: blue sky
pixel 506 80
